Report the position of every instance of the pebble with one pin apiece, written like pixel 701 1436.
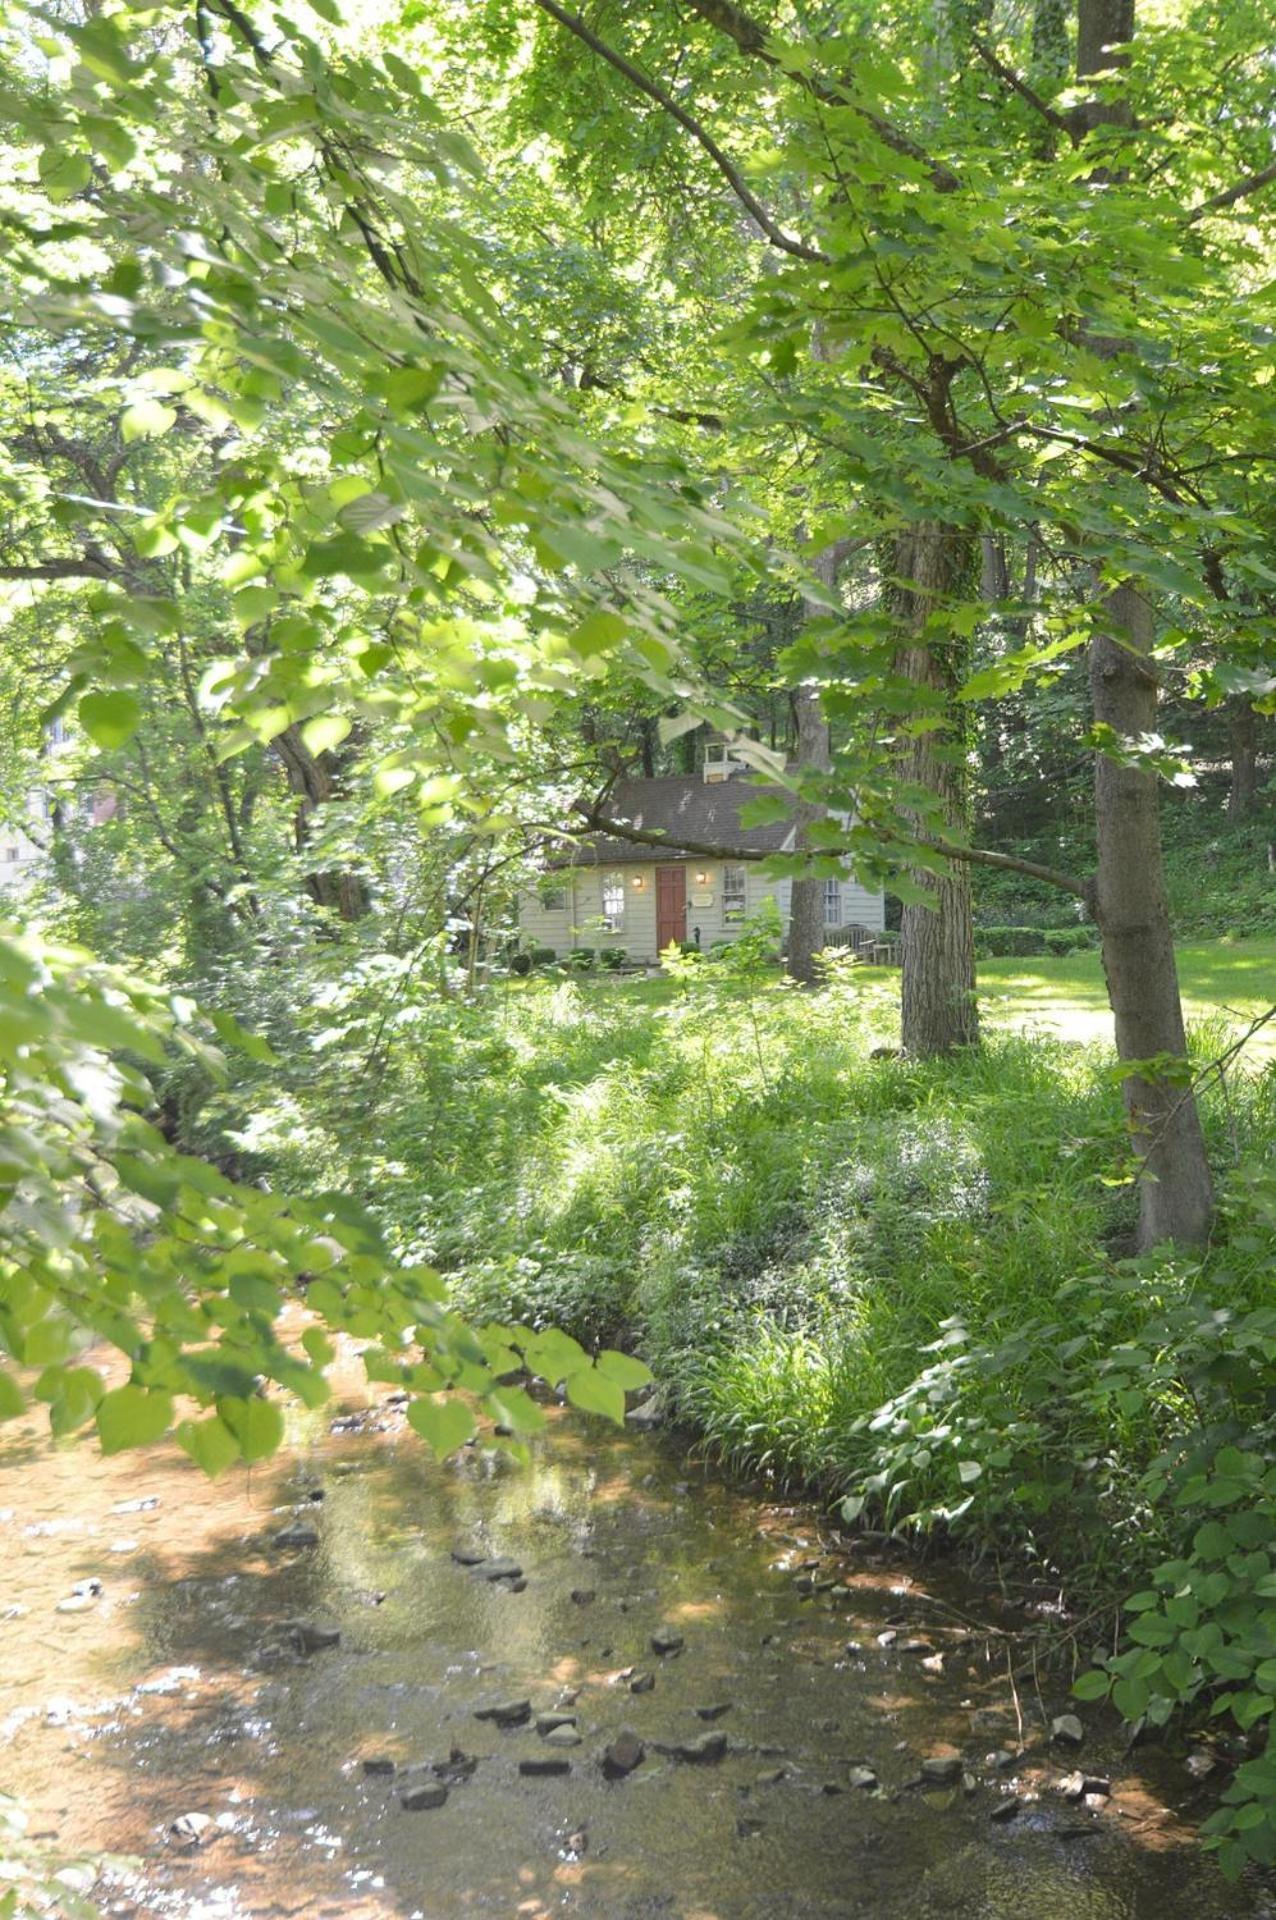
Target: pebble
pixel 714 1712
pixel 192 1829
pixel 542 1765
pixel 583 1596
pixel 468 1556
pixel 666 1640
pixel 942 1766
pixel 861 1777
pixel 1005 1809
pixel 623 1754
pixel 1200 1763
pixel 422 1799
pixel 642 1683
pixel 1066 1730
pixel 709 1746
pixel 771 1778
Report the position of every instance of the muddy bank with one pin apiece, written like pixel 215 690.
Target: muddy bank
pixel 809 1733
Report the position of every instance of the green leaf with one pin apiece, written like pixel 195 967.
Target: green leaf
pixel 11 1402
pixel 258 1425
pixel 1092 1686
pixel 132 1417
pixel 511 1407
pixel 325 732
pixel 63 174
pixel 111 719
pixel 624 1369
pixel 210 1444
pixel 146 420
pixel 445 1424
pixel 593 1392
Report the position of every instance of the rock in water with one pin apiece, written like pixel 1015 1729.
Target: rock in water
pixel 192 1829
pixel 862 1777
pixel 299 1534
pixel 710 1746
pixel 623 1754
pixel 564 1736
pixel 543 1764
pixel 642 1683
pixel 422 1799
pixel 555 1717
pixel 1066 1730
pixel 502 1569
pixel 378 1763
pixel 312 1636
pixel 714 1712
pixel 468 1556
pixel 666 1640
pixel 506 1713
pixel 942 1767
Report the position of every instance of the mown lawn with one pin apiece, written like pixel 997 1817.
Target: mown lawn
pixel 1231 980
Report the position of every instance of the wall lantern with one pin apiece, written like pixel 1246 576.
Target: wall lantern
pixel 702 879
pixel 638 883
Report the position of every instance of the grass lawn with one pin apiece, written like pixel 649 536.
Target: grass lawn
pixel 1231 980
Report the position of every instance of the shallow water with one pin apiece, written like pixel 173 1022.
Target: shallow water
pixel 174 1692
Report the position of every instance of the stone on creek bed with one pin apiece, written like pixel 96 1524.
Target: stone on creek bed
pixel 667 1640
pixel 298 1533
pixel 544 1765
pixel 623 1754
pixel 423 1799
pixel 502 1568
pixel 312 1636
pixel 506 1713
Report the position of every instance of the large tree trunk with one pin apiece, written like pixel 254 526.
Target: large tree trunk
pixel 315 778
pixel 1128 896
pixel 1175 1196
pixel 1242 732
pixel 806 898
pixel 938 1009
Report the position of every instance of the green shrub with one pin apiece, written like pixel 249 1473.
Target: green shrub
pixel 996 943
pixel 581 959
pixel 520 963
pixel 543 956
pixel 613 958
pixel 1078 939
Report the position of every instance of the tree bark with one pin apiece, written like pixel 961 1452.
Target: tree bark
pixel 1242 733
pixel 806 895
pixel 938 1009
pixel 315 779
pixel 1129 904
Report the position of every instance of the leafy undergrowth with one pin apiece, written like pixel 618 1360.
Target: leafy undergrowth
pixel 900 1283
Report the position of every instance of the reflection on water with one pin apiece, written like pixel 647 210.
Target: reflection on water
pixel 176 1697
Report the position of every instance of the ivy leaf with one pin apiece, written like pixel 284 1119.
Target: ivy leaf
pixel 110 719
pixel 132 1417
pixel 445 1424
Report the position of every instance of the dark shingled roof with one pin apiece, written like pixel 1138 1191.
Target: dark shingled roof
pixel 702 810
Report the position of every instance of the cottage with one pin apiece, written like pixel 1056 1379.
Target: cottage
pixel 622 894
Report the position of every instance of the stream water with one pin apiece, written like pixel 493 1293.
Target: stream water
pixel 175 1718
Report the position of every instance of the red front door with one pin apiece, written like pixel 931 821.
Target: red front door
pixel 671 907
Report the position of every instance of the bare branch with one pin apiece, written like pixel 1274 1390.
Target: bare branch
pixel 1241 191
pixel 1017 84
pixel 730 173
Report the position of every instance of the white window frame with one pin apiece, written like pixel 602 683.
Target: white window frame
pixel 613 886
pixel 832 903
pixel 735 897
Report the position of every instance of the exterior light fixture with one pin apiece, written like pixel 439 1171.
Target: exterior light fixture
pixel 638 882
pixel 702 879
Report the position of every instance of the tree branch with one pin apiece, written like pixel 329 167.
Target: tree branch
pixel 1241 191
pixel 87 567
pixel 1011 79
pixel 751 38
pixel 599 822
pixel 730 173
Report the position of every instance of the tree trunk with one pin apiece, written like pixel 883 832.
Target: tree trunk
pixel 1242 731
pixel 806 897
pixel 315 779
pixel 1129 903
pixel 938 1009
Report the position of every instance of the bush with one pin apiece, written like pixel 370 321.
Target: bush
pixel 997 943
pixel 1078 939
pixel 543 956
pixel 613 958
pixel 581 959
pixel 520 963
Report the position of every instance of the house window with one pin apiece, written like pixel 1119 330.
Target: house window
pixel 554 899
pixel 614 901
pixel 733 902
pixel 832 903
